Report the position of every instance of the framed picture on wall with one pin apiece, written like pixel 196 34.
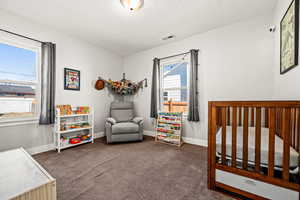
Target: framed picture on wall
pixel 289 30
pixel 71 79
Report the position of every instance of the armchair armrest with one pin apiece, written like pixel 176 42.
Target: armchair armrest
pixel 111 120
pixel 137 120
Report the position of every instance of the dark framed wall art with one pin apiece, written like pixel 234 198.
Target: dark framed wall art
pixel 289 38
pixel 71 79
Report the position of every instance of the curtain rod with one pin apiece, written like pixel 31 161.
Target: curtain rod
pixel 23 36
pixel 175 55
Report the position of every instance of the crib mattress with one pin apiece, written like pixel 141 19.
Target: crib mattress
pixel 251 146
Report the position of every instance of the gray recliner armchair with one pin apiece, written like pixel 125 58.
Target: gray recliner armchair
pixel 123 125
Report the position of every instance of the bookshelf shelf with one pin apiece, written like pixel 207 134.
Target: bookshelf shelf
pixel 73 115
pixel 72 145
pixel 74 130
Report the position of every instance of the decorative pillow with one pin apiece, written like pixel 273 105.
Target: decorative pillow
pixel 122 115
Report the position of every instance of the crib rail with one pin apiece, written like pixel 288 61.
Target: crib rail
pixel 282 118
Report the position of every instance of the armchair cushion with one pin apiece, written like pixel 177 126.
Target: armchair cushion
pixel 122 115
pixel 111 120
pixel 137 120
pixel 125 127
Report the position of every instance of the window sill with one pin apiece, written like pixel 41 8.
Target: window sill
pixel 18 121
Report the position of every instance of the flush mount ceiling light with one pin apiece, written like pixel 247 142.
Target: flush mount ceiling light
pixel 132 5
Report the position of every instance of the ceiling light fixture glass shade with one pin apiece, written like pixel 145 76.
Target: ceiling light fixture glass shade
pixel 132 5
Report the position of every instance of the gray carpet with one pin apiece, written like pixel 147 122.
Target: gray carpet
pixel 129 171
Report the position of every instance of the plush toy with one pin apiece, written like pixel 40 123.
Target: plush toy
pixel 124 86
pixel 85 137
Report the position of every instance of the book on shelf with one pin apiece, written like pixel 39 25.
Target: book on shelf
pixel 75 110
pixel 169 127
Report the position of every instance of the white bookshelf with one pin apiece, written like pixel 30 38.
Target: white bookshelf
pixel 63 133
pixel 169 128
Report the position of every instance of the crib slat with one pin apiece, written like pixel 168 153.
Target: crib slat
pixel 219 117
pixel 294 124
pixel 271 142
pixel 212 127
pixel 291 142
pixel 298 131
pixel 279 122
pixel 257 139
pixel 228 116
pixel 234 130
pixel 252 116
pixel 295 129
pixel 223 157
pixel 240 116
pixel 286 142
pixel 266 117
pixel 245 137
pixel 298 138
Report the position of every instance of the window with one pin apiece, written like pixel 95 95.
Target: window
pixel 174 86
pixel 19 91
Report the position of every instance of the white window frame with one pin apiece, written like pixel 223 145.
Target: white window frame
pixel 9 39
pixel 177 59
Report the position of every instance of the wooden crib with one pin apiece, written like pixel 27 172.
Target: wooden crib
pixel 253 148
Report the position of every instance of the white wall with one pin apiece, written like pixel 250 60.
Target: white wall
pixel 286 85
pixel 92 61
pixel 236 63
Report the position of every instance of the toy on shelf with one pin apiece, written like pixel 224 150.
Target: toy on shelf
pixel 66 140
pixel 85 137
pixel 81 110
pixel 65 109
pixel 69 110
pixel 169 128
pixel 74 140
pixel 85 109
pixel 65 126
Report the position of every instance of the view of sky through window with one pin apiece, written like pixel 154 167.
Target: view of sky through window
pixel 17 82
pixel 17 64
pixel 175 80
pixel 174 87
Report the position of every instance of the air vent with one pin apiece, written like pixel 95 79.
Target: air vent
pixel 169 37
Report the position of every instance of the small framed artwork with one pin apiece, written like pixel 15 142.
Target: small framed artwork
pixel 289 30
pixel 72 79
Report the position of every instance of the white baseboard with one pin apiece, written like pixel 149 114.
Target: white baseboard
pixel 40 149
pixel 49 147
pixel 149 133
pixel 99 135
pixel 199 142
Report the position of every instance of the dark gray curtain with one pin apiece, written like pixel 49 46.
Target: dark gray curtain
pixel 47 115
pixel 154 89
pixel 193 114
